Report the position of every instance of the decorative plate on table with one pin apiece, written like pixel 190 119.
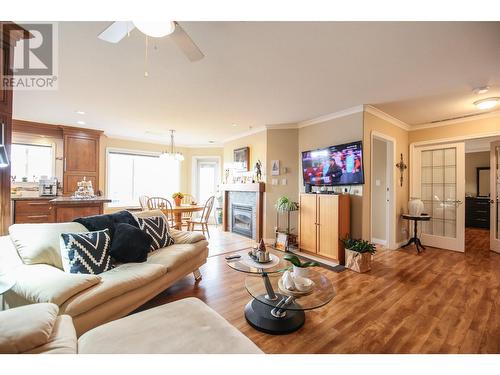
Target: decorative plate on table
pixel 294 293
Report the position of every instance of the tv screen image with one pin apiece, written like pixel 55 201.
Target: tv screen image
pixel 334 165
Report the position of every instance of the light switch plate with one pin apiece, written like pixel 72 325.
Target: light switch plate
pixel 283 181
pixel 274 181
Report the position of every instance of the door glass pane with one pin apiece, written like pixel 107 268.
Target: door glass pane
pixel 438 191
pixel 207 186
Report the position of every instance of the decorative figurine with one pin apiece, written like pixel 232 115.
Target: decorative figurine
pixel 258 170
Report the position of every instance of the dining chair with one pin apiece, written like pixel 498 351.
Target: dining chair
pixel 186 216
pixel 203 219
pixel 164 205
pixel 143 201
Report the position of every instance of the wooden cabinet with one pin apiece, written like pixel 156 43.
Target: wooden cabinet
pixel 67 213
pixel 324 220
pixel 81 158
pixel 10 33
pixel 33 211
pixel 477 212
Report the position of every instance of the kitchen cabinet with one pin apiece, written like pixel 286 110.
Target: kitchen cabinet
pixel 81 158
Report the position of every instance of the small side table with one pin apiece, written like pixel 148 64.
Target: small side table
pixel 6 283
pixel 415 238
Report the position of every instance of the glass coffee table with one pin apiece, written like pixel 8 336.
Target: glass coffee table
pixel 273 310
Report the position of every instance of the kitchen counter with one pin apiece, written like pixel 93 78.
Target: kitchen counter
pixel 44 209
pixel 30 198
pixel 77 201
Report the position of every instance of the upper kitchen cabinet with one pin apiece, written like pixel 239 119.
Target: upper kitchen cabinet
pixel 81 158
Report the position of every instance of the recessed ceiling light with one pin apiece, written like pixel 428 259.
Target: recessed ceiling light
pixel 481 90
pixel 486 103
pixel 234 125
pixel 80 112
pixel 80 122
pixel 211 141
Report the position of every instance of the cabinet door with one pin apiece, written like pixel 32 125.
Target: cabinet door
pixel 308 222
pixel 81 159
pixel 81 154
pixel 5 202
pixel 5 58
pixel 328 228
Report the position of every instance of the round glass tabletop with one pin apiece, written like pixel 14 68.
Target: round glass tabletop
pixel 246 264
pixel 322 292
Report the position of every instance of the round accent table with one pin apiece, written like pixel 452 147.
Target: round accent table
pixel 415 239
pixel 271 309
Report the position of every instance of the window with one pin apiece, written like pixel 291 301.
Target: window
pixel 131 175
pixel 31 161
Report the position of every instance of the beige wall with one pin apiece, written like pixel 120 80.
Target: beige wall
pixel 282 145
pixel 258 149
pixel 474 160
pixel 379 185
pixel 481 127
pixel 372 124
pixel 333 132
pixel 186 166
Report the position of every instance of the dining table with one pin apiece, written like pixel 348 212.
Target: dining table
pixel 177 212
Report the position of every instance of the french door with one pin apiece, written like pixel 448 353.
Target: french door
pixel 494 197
pixel 438 179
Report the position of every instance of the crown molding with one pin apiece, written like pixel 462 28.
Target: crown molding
pixel 166 143
pixel 331 116
pixel 479 116
pixel 384 116
pixel 245 134
pixel 281 126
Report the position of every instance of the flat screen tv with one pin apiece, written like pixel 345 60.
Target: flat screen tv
pixel 334 165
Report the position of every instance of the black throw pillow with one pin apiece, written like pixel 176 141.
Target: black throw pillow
pixel 109 221
pixel 130 244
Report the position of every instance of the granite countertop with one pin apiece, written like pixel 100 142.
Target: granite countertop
pixel 31 198
pixel 71 200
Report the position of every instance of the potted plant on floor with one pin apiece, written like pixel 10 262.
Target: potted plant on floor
pixel 358 254
pixel 300 268
pixel 178 198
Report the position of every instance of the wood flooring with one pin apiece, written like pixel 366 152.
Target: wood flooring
pixel 436 302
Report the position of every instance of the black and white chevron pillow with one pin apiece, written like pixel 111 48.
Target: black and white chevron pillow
pixel 87 252
pixel 156 227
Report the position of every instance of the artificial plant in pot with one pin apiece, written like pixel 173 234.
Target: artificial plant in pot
pixel 178 198
pixel 358 254
pixel 284 204
pixel 300 268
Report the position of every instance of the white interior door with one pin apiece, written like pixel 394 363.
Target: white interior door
pixel 494 197
pixel 438 179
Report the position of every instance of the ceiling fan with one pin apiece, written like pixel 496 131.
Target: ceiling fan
pixel 119 29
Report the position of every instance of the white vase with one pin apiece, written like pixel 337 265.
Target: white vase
pixel 300 271
pixel 415 207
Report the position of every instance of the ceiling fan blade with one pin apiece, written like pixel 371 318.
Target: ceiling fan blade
pixel 186 44
pixel 116 31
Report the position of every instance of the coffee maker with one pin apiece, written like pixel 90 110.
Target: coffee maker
pixel 47 186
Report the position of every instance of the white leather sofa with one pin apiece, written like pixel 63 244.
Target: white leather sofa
pixel 187 326
pixel 91 300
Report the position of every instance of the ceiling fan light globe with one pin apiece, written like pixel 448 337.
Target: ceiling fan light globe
pixel 155 29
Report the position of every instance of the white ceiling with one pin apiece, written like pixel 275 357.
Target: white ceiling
pixel 258 73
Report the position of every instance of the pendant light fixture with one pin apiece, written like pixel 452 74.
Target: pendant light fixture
pixel 172 155
pixel 4 158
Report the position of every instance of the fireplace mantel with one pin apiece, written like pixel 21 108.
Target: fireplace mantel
pixel 258 187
